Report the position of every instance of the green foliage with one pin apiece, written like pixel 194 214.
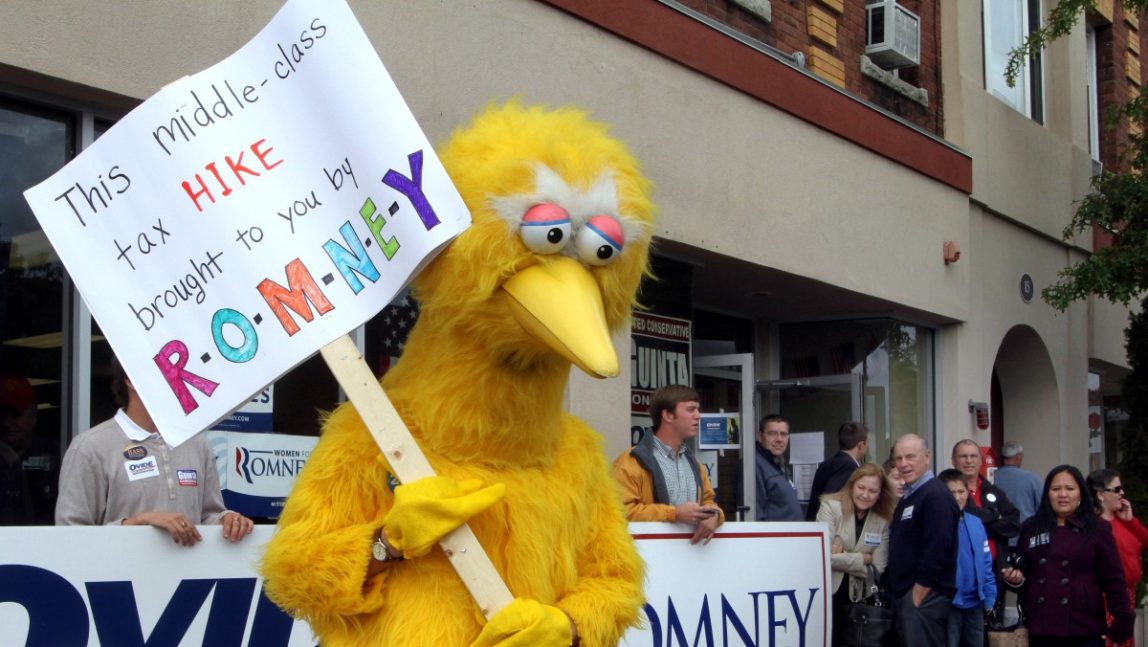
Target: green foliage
pixel 1117 204
pixel 1061 19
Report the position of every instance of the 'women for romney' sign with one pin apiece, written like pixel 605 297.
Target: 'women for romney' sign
pixel 246 216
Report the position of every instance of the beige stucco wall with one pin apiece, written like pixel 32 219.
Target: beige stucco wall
pixel 1053 427
pixel 786 195
pixel 806 197
pixel 1026 171
pixel 1106 335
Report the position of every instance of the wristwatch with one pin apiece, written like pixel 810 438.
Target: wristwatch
pixel 381 554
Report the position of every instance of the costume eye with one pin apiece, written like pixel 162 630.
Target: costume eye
pixel 545 228
pixel 600 240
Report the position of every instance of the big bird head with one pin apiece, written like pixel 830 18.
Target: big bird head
pixel 560 234
pixel 559 240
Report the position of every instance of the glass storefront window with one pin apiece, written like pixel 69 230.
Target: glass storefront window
pixel 34 143
pixel 894 362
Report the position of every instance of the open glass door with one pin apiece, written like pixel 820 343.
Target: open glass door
pixel 725 384
pixel 815 407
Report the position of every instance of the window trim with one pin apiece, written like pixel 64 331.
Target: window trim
pixel 1029 86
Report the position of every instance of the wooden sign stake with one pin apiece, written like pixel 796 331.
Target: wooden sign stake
pixel 409 463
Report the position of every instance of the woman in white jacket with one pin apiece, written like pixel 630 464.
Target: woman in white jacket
pixel 858 518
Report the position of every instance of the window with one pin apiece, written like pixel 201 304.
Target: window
pixel 1006 24
pixel 1092 97
pixel 34 143
pixel 894 360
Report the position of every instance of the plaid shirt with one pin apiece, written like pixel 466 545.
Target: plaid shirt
pixel 678 473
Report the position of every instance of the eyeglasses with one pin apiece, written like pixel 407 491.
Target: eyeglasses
pixel 1119 489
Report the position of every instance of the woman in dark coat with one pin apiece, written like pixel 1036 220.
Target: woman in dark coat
pixel 1068 568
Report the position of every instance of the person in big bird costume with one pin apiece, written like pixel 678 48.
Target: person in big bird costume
pixel 562 220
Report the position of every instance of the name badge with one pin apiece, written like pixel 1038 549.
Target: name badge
pixel 907 514
pixel 872 539
pixel 144 468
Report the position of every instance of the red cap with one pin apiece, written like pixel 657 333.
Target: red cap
pixel 16 392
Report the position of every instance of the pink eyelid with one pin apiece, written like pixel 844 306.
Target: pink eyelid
pixel 545 213
pixel 609 228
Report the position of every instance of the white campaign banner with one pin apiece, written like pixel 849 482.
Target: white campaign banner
pixel 244 217
pixel 131 586
pixel 761 584
pixel 754 584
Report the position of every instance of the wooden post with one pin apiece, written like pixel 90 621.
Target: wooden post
pixel 409 463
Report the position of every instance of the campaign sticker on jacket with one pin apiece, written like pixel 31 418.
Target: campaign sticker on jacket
pixel 135 452
pixel 907 514
pixel 872 539
pixel 144 468
pixel 1038 540
pixel 187 478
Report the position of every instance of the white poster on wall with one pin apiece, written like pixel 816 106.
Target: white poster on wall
pixel 250 214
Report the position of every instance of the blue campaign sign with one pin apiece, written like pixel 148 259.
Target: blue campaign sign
pixel 257 471
pixel 719 431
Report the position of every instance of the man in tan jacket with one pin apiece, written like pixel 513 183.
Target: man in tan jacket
pixel 661 480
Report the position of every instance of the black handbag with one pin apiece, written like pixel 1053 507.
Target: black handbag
pixel 870 621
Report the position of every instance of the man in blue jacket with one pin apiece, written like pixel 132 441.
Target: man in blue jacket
pixel 922 570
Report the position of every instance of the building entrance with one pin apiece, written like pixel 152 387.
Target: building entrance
pixel 815 407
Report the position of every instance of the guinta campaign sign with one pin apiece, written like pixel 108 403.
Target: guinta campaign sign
pixel 243 217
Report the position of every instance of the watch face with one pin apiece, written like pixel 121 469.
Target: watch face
pixel 380 551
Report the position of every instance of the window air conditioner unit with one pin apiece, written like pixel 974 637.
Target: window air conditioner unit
pixel 893 39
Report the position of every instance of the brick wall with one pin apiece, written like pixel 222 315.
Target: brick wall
pixel 831 34
pixel 1121 44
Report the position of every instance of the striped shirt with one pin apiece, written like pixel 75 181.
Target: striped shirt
pixel 676 469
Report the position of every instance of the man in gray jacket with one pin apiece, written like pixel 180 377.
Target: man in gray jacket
pixel 776 497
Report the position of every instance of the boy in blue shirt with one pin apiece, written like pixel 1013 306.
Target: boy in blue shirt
pixel 976 582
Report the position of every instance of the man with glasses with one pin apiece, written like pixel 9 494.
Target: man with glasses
pixel 776 497
pixel 988 502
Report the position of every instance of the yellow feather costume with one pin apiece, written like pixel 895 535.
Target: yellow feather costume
pixel 483 397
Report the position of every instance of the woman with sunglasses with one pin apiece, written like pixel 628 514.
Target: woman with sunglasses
pixel 1131 536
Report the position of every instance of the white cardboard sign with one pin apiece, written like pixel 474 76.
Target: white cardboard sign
pixel 242 218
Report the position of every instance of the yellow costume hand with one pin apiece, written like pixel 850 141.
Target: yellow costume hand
pixel 427 510
pixel 526 623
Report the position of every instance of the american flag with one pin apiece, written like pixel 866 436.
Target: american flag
pixel 392 327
